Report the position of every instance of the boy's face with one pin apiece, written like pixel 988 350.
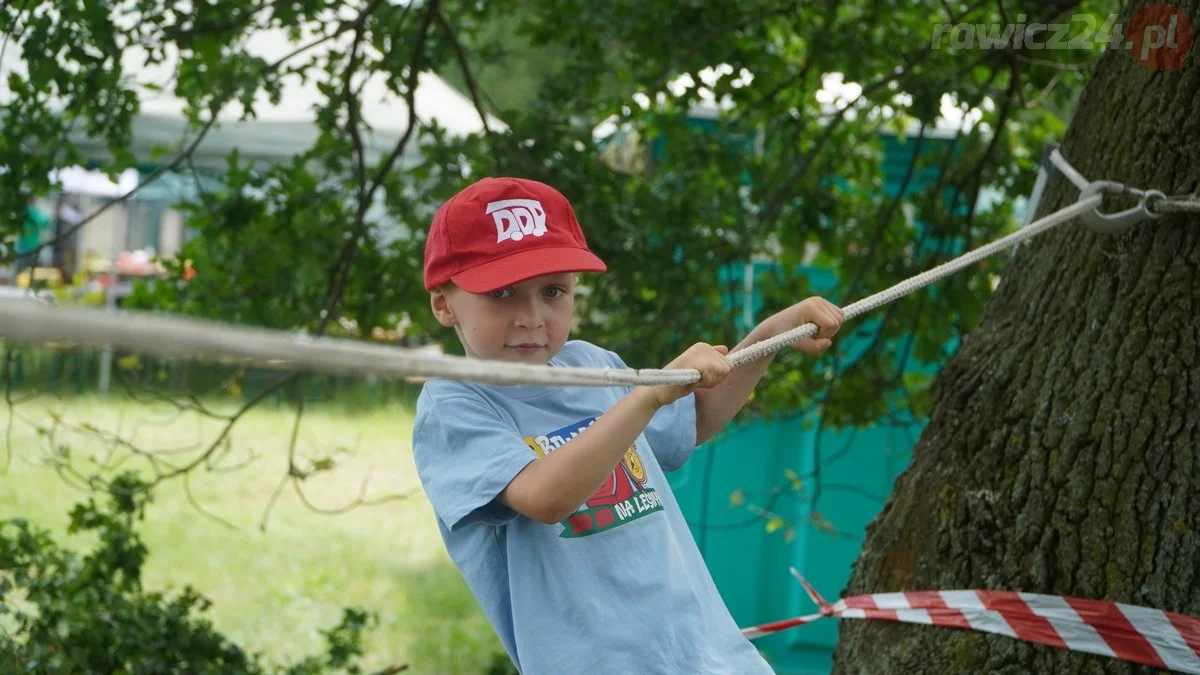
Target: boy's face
pixel 527 322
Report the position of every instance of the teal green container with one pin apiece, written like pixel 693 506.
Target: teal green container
pixel 747 555
pixel 749 563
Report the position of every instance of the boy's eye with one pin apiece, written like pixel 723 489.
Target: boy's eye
pixel 500 293
pixel 554 292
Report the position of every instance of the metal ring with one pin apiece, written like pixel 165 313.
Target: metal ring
pixel 1115 223
pixel 1152 197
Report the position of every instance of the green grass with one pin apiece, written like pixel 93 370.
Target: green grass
pixel 273 590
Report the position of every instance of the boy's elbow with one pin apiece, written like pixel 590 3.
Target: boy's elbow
pixel 535 496
pixel 548 519
pixel 551 511
pixel 544 508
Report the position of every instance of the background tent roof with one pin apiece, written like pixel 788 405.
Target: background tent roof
pixel 280 130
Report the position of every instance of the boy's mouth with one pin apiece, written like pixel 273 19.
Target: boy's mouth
pixel 526 347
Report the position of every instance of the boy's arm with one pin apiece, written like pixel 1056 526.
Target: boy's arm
pixel 716 406
pixel 551 487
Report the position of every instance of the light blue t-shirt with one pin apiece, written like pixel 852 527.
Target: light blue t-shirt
pixel 619 586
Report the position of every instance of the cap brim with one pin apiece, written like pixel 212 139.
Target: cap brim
pixel 524 265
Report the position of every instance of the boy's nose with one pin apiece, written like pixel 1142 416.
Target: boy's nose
pixel 529 315
pixel 529 320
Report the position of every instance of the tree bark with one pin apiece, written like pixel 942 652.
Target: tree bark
pixel 1062 455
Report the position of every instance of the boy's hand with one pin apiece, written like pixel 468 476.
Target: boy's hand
pixel 707 359
pixel 828 317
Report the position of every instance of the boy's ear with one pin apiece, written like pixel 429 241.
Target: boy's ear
pixel 441 308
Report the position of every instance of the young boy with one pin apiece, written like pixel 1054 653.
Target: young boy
pixel 552 500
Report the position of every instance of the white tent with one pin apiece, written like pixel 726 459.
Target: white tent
pixel 277 131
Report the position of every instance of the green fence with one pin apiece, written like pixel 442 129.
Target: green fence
pixel 76 371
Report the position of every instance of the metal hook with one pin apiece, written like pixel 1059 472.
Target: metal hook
pixel 1115 223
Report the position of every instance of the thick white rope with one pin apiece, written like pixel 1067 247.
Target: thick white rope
pixel 1178 204
pixel 27 320
pixel 24 319
pixel 1067 170
pixel 1185 204
pixel 760 349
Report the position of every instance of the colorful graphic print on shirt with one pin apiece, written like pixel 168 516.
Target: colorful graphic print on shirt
pixel 622 498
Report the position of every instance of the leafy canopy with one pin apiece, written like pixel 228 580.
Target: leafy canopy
pixel 785 173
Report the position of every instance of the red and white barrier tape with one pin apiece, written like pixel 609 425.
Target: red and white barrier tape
pixel 1139 634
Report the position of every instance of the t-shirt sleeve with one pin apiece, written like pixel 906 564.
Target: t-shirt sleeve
pixel 466 453
pixel 672 431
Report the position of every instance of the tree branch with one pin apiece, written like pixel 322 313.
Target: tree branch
pixel 177 32
pixel 246 407
pixel 698 46
pixel 775 204
pixel 885 216
pixel 187 153
pixel 352 119
pixel 339 273
pixel 472 86
pixel 158 395
pixel 187 490
pixel 8 400
pixel 359 501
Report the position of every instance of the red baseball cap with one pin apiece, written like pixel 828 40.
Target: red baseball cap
pixel 501 231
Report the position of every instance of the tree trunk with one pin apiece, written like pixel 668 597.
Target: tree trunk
pixel 1063 452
